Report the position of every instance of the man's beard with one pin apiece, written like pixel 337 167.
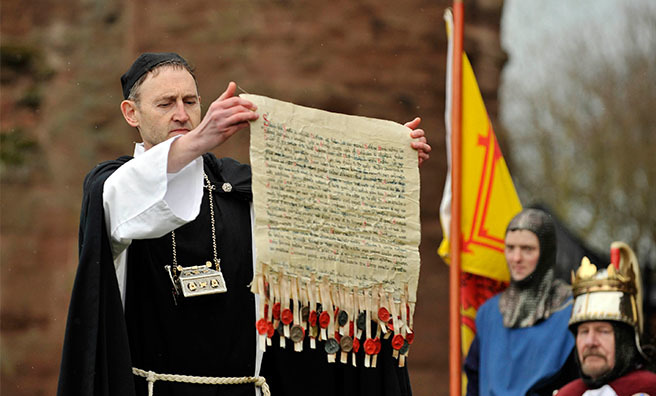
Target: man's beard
pixel 595 370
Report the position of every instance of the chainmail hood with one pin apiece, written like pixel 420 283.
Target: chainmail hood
pixel 537 296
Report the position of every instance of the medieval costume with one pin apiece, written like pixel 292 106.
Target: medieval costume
pixel 199 336
pixel 637 382
pixel 612 295
pixel 211 335
pixel 162 292
pixel 522 345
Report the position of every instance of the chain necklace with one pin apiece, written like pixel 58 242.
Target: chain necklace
pixel 198 280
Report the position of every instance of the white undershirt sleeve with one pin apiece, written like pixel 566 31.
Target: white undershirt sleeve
pixel 141 200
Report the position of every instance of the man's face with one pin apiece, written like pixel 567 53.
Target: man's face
pixel 522 253
pixel 168 105
pixel 595 345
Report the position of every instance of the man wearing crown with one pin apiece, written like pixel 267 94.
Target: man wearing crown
pixel 607 322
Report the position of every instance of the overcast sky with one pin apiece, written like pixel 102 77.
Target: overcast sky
pixel 547 39
pixel 532 30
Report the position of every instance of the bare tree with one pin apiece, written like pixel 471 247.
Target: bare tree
pixel 583 139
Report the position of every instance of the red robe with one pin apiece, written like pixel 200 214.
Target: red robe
pixel 635 382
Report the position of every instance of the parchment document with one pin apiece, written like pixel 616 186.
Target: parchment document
pixel 336 198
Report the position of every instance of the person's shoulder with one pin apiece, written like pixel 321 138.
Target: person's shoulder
pixel 490 303
pixel 102 171
pixel 642 374
pixel 488 311
pixel 226 169
pixel 225 163
pixel 113 163
pixel 574 388
pixel 638 381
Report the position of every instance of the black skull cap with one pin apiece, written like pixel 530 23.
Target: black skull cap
pixel 145 63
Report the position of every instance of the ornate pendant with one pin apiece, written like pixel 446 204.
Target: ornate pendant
pixel 198 280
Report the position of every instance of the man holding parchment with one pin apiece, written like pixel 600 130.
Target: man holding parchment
pixel 166 256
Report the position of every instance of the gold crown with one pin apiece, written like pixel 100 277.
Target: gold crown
pixel 611 293
pixel 588 279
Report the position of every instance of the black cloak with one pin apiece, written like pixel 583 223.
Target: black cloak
pixel 103 343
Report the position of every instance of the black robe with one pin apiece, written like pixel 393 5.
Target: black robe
pixel 207 335
pixel 308 373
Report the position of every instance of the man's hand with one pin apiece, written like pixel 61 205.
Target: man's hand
pixel 225 116
pixel 419 143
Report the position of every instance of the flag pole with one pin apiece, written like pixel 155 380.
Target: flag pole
pixel 455 348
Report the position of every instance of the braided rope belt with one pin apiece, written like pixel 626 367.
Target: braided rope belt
pixel 152 376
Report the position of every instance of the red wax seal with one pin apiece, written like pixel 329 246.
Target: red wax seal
pixel 369 346
pixel 397 341
pixel 324 319
pixel 262 326
pixel 276 310
pixel 378 345
pixel 383 314
pixel 410 337
pixel 356 345
pixel 313 318
pixel 286 316
pixel 390 324
pixel 270 329
pixel 351 328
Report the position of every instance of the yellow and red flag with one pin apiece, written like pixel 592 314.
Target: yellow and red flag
pixel 488 200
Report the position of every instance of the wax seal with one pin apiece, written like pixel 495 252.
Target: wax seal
pixel 270 329
pixel 362 321
pixel 369 346
pixel 276 310
pixel 390 324
pixel 410 337
pixel 342 318
pixel 314 331
pixel 262 326
pixel 356 345
pixel 312 319
pixel 286 316
pixel 346 343
pixel 305 314
pixel 297 333
pixel 404 349
pixel 324 320
pixel 383 314
pixel 397 341
pixel 331 346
